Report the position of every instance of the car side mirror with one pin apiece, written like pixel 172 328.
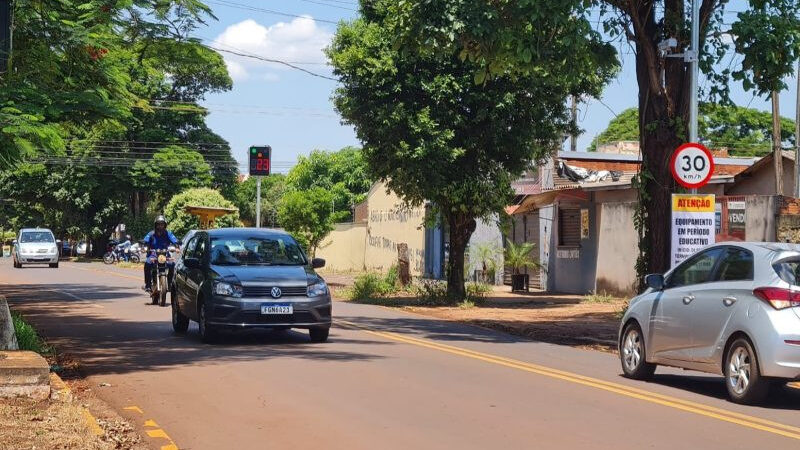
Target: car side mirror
pixel 317 263
pixel 655 281
pixel 192 263
pixel 14 242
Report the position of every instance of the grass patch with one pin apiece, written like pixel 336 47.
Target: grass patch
pixel 369 286
pixel 467 304
pixel 27 337
pixel 599 298
pixel 129 265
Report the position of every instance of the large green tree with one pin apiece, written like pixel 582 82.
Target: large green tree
pixel 307 216
pixel 743 131
pixel 344 173
pixel 436 127
pixel 499 36
pixel 273 188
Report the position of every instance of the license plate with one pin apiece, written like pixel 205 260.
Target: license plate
pixel 277 308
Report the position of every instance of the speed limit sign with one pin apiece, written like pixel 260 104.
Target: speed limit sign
pixel 692 165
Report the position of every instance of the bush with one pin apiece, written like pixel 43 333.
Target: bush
pixel 478 289
pixel 392 276
pixel 27 337
pixel 432 292
pixel 369 286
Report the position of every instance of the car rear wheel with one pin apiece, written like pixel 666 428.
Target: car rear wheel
pixel 54 265
pixel 742 374
pixel 180 323
pixel 318 334
pixel 632 354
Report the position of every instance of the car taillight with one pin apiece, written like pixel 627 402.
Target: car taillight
pixel 778 298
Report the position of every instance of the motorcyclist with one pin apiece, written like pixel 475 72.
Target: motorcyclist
pixel 124 247
pixel 158 239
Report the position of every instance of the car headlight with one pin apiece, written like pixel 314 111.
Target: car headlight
pixel 315 290
pixel 228 290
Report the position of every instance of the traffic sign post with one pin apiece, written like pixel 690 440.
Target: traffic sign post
pixel 692 165
pixel 693 215
pixel 260 165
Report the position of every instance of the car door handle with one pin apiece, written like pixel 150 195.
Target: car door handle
pixel 688 299
pixel 728 301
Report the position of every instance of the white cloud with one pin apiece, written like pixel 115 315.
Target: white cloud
pixel 300 40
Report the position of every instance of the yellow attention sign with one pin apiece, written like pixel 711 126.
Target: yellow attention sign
pixel 693 203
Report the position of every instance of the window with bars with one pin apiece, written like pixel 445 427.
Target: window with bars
pixel 569 227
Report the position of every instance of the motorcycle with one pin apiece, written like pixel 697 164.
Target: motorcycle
pixel 116 254
pixel 163 275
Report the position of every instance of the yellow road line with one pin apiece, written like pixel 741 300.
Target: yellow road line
pixel 154 430
pixel 92 422
pixel 661 399
pixel 116 274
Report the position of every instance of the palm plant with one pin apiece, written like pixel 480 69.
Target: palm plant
pixel 518 256
pixel 486 253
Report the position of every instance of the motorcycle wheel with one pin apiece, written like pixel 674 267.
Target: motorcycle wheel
pixel 109 258
pixel 135 258
pixel 163 292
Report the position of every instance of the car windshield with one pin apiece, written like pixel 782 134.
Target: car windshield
pixel 256 250
pixel 36 237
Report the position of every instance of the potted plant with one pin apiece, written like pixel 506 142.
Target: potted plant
pixel 518 257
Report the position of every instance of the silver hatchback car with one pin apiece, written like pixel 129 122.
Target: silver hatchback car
pixel 731 309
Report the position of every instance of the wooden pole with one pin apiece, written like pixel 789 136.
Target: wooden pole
pixel 776 143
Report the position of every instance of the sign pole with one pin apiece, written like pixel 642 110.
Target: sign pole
pixel 694 57
pixel 258 202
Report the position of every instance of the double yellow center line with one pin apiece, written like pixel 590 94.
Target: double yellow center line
pixel 628 391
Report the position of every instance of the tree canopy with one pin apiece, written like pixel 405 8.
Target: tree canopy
pixel 99 113
pixel 344 173
pixel 307 216
pixel 180 222
pixel 743 131
pixel 435 127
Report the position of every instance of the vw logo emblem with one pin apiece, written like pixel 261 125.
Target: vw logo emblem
pixel 276 292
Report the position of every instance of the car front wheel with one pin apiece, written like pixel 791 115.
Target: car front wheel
pixel 742 374
pixel 632 354
pixel 208 333
pixel 319 334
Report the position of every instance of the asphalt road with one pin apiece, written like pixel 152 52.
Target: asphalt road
pixel 385 380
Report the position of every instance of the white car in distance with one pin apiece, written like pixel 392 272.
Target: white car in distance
pixel 35 246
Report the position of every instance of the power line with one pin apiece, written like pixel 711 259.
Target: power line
pixel 277 61
pixel 242 6
pixel 330 5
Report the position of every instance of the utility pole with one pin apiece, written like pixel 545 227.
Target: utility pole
pixel 776 143
pixel 694 57
pixel 573 139
pixel 797 137
pixel 258 202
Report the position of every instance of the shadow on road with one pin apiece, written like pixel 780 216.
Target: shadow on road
pixel 781 396
pixel 105 345
pixel 434 329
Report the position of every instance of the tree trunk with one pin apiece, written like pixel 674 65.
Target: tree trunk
pixel 461 228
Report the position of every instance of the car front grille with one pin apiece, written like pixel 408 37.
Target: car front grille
pixel 297 317
pixel 266 291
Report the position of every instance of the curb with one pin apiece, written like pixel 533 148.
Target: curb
pixel 60 392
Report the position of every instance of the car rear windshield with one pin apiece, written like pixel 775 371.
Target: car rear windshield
pixel 36 236
pixel 256 250
pixel 789 271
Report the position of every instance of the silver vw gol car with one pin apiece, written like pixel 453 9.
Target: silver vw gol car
pixel 731 309
pixel 235 278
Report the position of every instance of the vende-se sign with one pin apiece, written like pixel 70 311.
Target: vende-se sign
pixel 693 225
pixel 692 165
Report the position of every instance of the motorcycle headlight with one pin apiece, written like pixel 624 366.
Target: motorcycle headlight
pixel 318 289
pixel 162 259
pixel 228 290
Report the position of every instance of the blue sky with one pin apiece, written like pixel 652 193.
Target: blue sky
pixel 292 111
